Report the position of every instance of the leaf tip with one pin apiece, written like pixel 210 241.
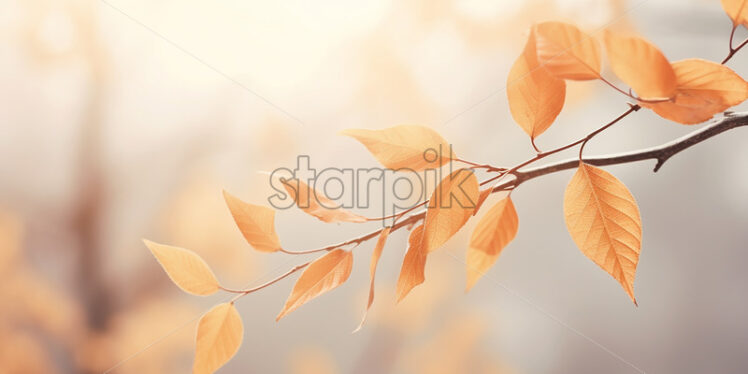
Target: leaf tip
pixel 346 132
pixel 400 297
pixel 281 314
pixel 473 275
pixel 633 298
pixel 360 326
pixel 469 285
pixel 153 247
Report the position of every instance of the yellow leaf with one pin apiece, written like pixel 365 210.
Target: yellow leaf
pixel 495 230
pixel 535 96
pixel 603 219
pixel 405 146
pixel 219 335
pixel 737 10
pixel 373 270
pixel 322 275
pixel 317 204
pixel 567 52
pixel 257 223
pixel 451 205
pixel 414 264
pixel 641 65
pixel 185 268
pixel 705 88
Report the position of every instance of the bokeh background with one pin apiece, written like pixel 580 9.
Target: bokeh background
pixel 124 119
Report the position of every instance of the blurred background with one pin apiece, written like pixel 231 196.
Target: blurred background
pixel 124 119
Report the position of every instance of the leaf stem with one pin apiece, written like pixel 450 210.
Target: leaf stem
pixel 535 146
pixel 735 50
pixel 616 88
pixel 398 215
pixel 634 97
pixel 583 141
pixel 248 291
pixel 632 109
pixel 489 168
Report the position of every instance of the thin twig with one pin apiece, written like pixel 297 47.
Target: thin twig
pixel 539 156
pixel 241 293
pixel 632 109
pixel 733 51
pixel 489 168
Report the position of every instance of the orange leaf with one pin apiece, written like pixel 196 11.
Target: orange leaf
pixel 567 52
pixel 185 268
pixel 451 205
pixel 373 270
pixel 737 10
pixel 317 204
pixel 535 96
pixel 482 199
pixel 603 219
pixel 413 271
pixel 705 88
pixel 322 275
pixel 405 146
pixel 494 231
pixel 640 65
pixel 257 223
pixel 219 335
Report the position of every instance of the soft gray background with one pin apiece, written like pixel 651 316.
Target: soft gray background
pixel 163 114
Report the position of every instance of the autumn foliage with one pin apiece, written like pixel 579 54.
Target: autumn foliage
pixel 601 214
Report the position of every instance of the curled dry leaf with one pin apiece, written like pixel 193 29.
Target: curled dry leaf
pixel 536 97
pixel 603 219
pixel 317 204
pixel 373 271
pixel 641 65
pixel 495 230
pixel 705 88
pixel 737 10
pixel 219 335
pixel 185 268
pixel 566 51
pixel 322 275
pixel 450 206
pixel 412 272
pixel 257 223
pixel 405 146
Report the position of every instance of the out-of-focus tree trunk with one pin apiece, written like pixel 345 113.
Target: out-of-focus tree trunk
pixel 90 203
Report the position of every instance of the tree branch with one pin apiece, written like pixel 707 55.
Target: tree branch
pixel 660 153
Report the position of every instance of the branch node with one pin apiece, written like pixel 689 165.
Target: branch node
pixel 660 162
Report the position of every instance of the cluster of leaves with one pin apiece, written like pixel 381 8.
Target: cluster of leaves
pixel 600 212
